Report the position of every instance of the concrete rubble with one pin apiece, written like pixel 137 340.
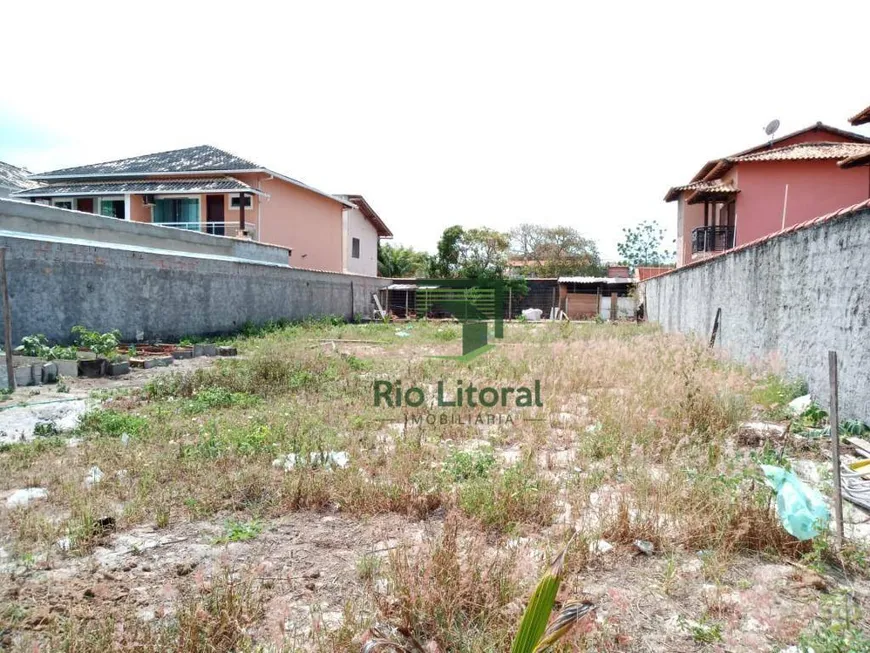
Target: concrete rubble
pixel 17 423
pixel 21 498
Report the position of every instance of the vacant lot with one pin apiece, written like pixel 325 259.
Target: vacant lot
pixel 266 502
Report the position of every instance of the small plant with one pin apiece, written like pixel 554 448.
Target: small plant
pixel 45 430
pixel 236 531
pixel 132 351
pixel 62 353
pixel 838 629
pixel 211 398
pixel 112 423
pixel 534 634
pixel 185 342
pixel 62 386
pixel 704 631
pixel 775 393
pixel 367 567
pixel 466 465
pixel 162 516
pixel 854 427
pixel 104 345
pixel 35 345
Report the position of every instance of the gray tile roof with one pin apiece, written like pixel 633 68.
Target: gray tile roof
pixel 202 158
pixel 196 185
pixel 15 178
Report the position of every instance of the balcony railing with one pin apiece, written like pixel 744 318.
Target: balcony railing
pixel 712 239
pixel 230 229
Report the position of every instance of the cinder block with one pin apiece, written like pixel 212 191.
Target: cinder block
pixel 49 373
pixel 23 376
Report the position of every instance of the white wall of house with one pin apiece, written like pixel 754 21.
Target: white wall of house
pixel 356 226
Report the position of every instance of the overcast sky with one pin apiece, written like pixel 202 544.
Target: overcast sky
pixel 466 113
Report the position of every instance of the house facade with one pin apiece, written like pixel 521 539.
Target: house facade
pixel 746 196
pixel 362 228
pixel 207 189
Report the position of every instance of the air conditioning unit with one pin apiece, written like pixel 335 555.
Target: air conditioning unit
pixel 147 199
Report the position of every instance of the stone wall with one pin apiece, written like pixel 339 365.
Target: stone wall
pixel 147 293
pixel 790 298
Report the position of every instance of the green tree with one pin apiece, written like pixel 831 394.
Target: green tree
pixel 445 263
pixel 482 253
pixel 555 251
pixel 397 261
pixel 642 245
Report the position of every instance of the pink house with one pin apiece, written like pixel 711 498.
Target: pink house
pixel 754 193
pixel 206 189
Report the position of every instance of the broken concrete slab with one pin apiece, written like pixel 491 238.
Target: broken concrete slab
pixel 17 423
pixel 21 498
pixel 798 405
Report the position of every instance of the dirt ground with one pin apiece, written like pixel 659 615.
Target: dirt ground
pixel 332 565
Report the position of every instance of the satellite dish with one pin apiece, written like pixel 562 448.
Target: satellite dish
pixel 771 128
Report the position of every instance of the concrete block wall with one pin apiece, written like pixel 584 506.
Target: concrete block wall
pixel 789 299
pixel 30 218
pixel 55 284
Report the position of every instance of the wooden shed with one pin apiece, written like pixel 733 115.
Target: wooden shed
pixel 584 298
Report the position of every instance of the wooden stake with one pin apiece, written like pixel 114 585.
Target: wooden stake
pixel 835 446
pixel 7 321
pixel 715 327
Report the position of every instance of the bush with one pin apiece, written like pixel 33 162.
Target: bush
pixel 104 345
pixel 35 345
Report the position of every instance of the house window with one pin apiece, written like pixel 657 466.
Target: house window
pixel 182 212
pixel 111 207
pixel 234 202
pixel 63 204
pixel 354 248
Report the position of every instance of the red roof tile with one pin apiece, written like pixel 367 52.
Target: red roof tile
pixel 806 151
pixel 717 167
pixel 712 186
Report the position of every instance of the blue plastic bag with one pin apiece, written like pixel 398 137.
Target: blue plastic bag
pixel 801 509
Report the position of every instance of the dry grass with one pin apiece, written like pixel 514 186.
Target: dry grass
pixel 634 442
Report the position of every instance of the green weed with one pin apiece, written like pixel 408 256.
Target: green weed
pixel 466 465
pixel 112 423
pixel 501 501
pixel 839 628
pixel 235 531
pixel 212 398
